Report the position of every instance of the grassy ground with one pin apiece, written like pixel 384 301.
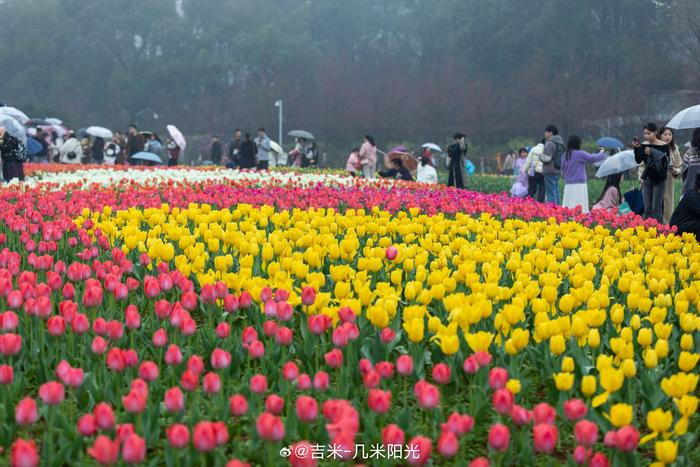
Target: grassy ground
pixel 499 184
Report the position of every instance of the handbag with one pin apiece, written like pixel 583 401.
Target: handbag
pixel 624 208
pixel 635 201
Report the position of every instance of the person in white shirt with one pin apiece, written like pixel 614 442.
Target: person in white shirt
pixel 71 151
pixel 426 172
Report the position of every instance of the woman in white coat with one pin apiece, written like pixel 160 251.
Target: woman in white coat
pixel 426 172
pixel 71 150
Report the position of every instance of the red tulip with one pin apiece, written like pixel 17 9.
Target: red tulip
pixel 520 415
pixel 220 433
pixel 321 381
pixel 441 373
pixel 238 405
pixel 365 366
pixel 80 324
pixel 340 337
pixel 10 344
pixel 385 369
pixel 387 335
pixel 483 359
pixel 211 383
pixel 223 330
pixel 334 358
pixel 502 400
pixel 26 412
pixel 290 371
pixel 99 346
pixel 256 349
pixel 270 328
pixel 56 326
pixel 189 380
pixel 269 427
pixel 498 378
pixel 392 434
pixel 480 462
pixel 274 404
pixel 418 450
pixel 230 303
pixel 173 356
pixel 7 374
pixel 104 450
pixel 379 401
pixel 447 445
pixel 459 424
pixel 545 437
pixel 575 409
pixel 149 371
pixel 318 324
pixel 249 335
pixel 391 253
pixel 302 455
pixel 52 393
pixel 627 438
pixel 204 436
pixel 258 384
pixel 23 454
pixel 308 296
pixel 499 437
pixel 134 402
pixel 104 416
pixel 544 413
pixel 404 365
pixel 428 395
pixel 174 400
pixel 599 460
pixel 284 335
pixel 586 433
pixel 134 449
pixel 131 358
pixel 178 435
pixel 306 408
pixel 195 364
pixel 87 426
pixel 347 315
pixel 582 454
pixel 115 359
pixel 303 382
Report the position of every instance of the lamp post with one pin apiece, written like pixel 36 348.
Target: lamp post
pixel 279 105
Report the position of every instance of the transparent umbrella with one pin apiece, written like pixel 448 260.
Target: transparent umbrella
pixel 620 162
pixel 14 128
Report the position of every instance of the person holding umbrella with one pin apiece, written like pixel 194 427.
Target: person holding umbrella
pixel 262 142
pixel 13 153
pixel 71 150
pixel 691 163
pixel 457 154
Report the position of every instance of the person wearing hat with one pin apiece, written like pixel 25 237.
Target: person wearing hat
pixel 457 154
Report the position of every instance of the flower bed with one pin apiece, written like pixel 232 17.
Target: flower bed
pixel 185 321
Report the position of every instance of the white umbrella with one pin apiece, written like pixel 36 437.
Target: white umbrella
pixel 301 134
pixel 54 121
pixel 276 147
pixel 99 132
pixel 617 163
pixel 17 114
pixel 432 147
pixel 14 128
pixel 687 145
pixel 177 136
pixel 686 118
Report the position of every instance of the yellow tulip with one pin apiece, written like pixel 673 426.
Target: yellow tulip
pixel 687 361
pixel 650 358
pixel 620 415
pixel 687 405
pixel 611 379
pixel 564 381
pixel 513 385
pixel 659 421
pixel 666 451
pixel 557 345
pixel 588 385
pixel 567 365
pixel 479 341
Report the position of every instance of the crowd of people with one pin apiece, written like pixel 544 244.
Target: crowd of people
pixel 538 171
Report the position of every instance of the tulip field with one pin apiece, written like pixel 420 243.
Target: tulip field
pixel 192 317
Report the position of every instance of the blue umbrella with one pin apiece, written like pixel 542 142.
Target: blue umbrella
pixel 147 156
pixel 33 146
pixel 610 143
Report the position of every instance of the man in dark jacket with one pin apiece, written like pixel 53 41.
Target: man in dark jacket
pixel 216 151
pixel 246 159
pixel 234 149
pixel 554 149
pixel 457 153
pixel 686 217
pixel 397 171
pixel 135 141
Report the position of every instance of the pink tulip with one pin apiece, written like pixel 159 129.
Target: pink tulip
pixel 238 405
pixel 23 454
pixel 499 437
pixel 178 435
pixel 26 412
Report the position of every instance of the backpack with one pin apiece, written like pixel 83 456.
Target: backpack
pixel 558 152
pixel 657 163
